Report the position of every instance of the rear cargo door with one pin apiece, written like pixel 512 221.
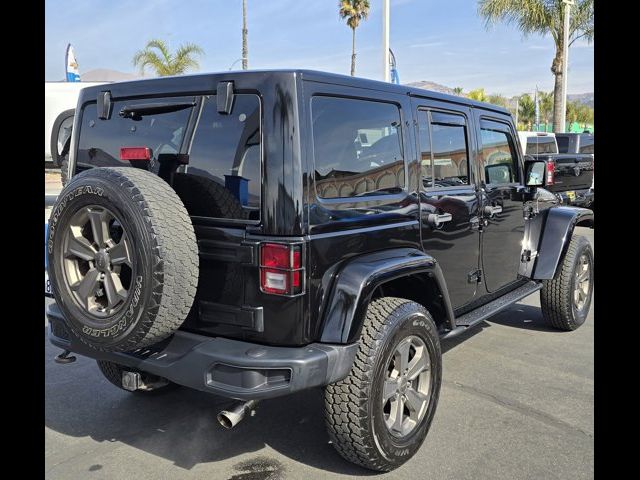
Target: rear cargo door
pixel 213 161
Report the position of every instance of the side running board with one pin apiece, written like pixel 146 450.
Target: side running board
pixel 476 316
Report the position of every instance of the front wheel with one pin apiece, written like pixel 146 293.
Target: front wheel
pixel 379 415
pixel 566 298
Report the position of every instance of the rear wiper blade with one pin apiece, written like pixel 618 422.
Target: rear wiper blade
pixel 138 111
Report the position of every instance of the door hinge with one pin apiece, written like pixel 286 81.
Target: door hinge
pixel 475 276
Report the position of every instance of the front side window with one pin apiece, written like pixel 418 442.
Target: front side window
pixel 357 147
pixel 498 157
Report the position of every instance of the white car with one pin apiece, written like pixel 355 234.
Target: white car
pixel 60 100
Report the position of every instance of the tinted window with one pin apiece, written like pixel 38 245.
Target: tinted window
pixel 498 157
pixel 357 147
pixel 424 140
pixel 450 155
pixel 536 145
pixel 586 144
pixel 101 140
pixel 224 175
pixel 563 144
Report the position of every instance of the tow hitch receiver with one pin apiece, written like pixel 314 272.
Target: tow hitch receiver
pixel 133 381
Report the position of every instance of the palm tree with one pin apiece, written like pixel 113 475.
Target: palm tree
pixel 157 56
pixel 354 11
pixel 457 91
pixel 245 48
pixel 477 94
pixel 545 104
pixel 497 99
pixel 526 110
pixel 544 17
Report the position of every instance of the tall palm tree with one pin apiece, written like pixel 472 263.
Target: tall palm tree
pixel 245 48
pixel 544 17
pixel 157 56
pixel 354 11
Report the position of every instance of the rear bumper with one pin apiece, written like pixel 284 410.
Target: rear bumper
pixel 230 368
pixel 583 198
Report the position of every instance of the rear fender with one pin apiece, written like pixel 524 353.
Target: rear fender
pixel 359 278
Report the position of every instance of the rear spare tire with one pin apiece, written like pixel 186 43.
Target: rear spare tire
pixel 123 258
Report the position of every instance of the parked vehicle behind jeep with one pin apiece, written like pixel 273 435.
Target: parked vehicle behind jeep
pixel 582 143
pixel 569 174
pixel 252 234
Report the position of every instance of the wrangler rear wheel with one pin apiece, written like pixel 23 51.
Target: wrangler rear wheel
pixel 379 415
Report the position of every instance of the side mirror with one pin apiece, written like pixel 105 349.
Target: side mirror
pixel 534 172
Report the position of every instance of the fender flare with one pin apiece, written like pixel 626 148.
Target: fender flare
pixel 358 279
pixel 547 236
pixel 53 140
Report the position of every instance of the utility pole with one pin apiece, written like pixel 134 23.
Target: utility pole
pixel 385 41
pixel 565 62
pixel 244 35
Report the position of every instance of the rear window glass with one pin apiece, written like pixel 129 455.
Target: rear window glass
pixel 101 140
pixel 224 175
pixel 536 145
pixel 357 147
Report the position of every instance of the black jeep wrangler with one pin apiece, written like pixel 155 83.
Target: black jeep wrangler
pixel 258 233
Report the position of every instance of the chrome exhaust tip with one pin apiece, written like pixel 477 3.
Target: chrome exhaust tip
pixel 235 414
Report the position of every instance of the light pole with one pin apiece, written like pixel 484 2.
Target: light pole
pixel 565 63
pixel 385 41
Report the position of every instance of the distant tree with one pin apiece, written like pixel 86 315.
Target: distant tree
pixel 458 91
pixel 353 11
pixel 544 17
pixel 573 111
pixel 157 56
pixel 497 99
pixel 545 104
pixel 477 94
pixel 526 110
pixel 584 115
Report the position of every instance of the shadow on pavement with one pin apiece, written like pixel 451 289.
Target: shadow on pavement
pixel 527 317
pixel 180 425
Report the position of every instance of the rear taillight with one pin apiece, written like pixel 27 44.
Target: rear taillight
pixel 551 172
pixel 135 153
pixel 281 271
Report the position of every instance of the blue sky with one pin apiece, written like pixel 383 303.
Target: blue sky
pixel 443 41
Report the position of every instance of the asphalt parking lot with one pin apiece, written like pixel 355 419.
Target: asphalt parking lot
pixel 516 403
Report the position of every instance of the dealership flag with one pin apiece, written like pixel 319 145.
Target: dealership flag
pixel 71 65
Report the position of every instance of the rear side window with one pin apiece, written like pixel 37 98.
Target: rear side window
pixel 563 144
pixel 224 175
pixel 586 144
pixel 498 155
pixel 536 145
pixel 357 147
pixel 450 152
